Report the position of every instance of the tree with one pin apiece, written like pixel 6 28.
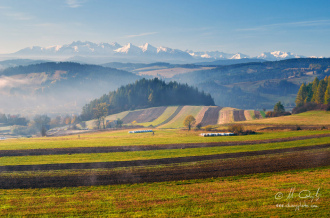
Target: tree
pixel 314 88
pixel 189 121
pixel 302 95
pixel 42 123
pixel 319 99
pixel 279 108
pixel 327 94
pixel 119 123
pixel 100 112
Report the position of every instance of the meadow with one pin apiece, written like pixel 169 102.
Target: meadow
pixel 122 138
pixel 171 173
pixel 243 196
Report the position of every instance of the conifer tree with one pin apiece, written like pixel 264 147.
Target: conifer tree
pixel 319 99
pixel 314 88
pixel 327 94
pixel 302 95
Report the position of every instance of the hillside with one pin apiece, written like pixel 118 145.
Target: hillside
pixel 257 85
pixel 172 117
pixel 51 87
pixel 145 94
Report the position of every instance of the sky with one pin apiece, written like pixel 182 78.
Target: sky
pixel 246 26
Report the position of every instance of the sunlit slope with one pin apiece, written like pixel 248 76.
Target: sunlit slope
pixel 309 118
pixel 172 117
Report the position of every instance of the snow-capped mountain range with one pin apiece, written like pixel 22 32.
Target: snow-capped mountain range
pixel 146 53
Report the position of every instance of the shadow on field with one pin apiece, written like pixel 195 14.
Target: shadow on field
pixel 298 158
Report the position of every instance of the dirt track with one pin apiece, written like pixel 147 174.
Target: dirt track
pixel 231 167
pixel 28 152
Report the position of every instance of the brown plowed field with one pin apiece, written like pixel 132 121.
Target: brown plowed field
pixel 239 115
pixel 258 115
pixel 230 167
pixel 78 150
pixel 211 116
pixel 143 116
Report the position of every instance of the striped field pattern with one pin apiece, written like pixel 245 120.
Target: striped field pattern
pixel 172 117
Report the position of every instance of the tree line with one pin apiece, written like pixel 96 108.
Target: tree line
pixel 145 93
pixel 313 95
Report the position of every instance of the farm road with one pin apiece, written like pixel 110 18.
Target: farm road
pixel 80 150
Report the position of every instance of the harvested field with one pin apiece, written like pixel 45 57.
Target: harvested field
pixel 178 109
pixel 297 159
pixel 142 116
pixel 162 118
pixel 211 116
pixel 201 114
pixel 247 114
pixel 177 121
pixel 225 116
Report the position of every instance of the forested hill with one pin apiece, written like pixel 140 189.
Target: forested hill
pixel 148 93
pixel 57 87
pixel 257 85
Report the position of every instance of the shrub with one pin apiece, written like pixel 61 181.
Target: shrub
pixel 199 126
pixel 208 128
pixel 236 129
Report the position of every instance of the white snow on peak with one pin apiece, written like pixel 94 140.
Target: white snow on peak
pixel 238 56
pixel 162 49
pixel 148 48
pixel 205 56
pixel 277 55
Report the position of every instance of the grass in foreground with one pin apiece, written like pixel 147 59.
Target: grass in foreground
pixel 155 154
pixel 251 195
pixel 122 138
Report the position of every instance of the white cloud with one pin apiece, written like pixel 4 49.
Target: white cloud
pixel 74 3
pixel 142 34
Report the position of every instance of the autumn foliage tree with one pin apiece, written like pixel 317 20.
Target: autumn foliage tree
pixel 189 121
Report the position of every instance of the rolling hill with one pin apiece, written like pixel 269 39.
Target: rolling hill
pixel 172 117
pixel 52 87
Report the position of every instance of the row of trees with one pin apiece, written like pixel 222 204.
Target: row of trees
pixel 8 120
pixel 317 92
pixel 143 94
pixel 42 123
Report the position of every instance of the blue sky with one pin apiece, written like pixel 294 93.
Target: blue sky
pixel 247 26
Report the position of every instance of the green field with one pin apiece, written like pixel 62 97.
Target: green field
pixel 155 154
pixel 122 138
pixel 243 196
pixel 251 193
pixel 310 118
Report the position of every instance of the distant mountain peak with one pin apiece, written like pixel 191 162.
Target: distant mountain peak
pixel 142 53
pixel 277 55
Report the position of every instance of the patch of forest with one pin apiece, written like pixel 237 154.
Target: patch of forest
pixel 148 93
